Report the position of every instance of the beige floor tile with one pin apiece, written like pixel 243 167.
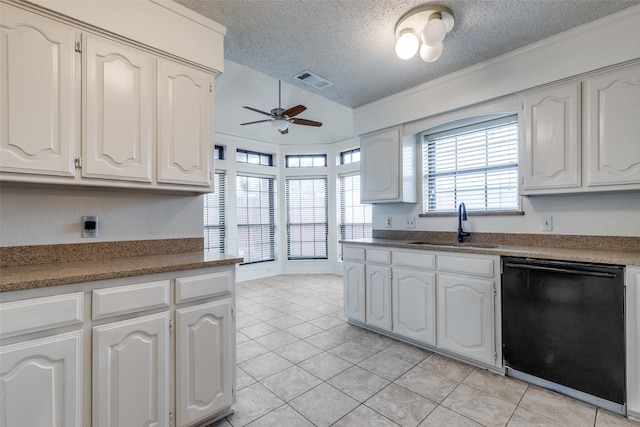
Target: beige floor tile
pixel 349 331
pixel 243 379
pixel 248 350
pixel 281 417
pixel 407 352
pixel 253 402
pixel 447 367
pixel 258 330
pixel 358 383
pixel 284 322
pixel 523 418
pixel 326 340
pixel 429 384
pixel 291 383
pixel 264 366
pixel 557 407
pixel 325 365
pixel 375 341
pixel 353 351
pixel 443 417
pixel 385 365
pixel 298 351
pixel 307 314
pixel 502 387
pixel 364 416
pixel 326 322
pixel 246 320
pixel 276 340
pixel 304 330
pixel 268 314
pixel 240 338
pixel 323 405
pixel 291 308
pixel 609 419
pixel 479 406
pixel 401 406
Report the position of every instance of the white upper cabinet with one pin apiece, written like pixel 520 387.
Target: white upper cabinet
pixel 185 124
pixel 583 136
pixel 612 136
pixel 387 167
pixel 38 94
pixel 551 155
pixel 118 111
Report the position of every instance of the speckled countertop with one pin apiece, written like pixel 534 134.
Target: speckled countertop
pixel 27 267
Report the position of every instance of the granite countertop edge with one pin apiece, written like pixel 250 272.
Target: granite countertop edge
pixel 564 254
pixel 64 273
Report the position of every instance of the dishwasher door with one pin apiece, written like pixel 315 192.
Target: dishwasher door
pixel 564 323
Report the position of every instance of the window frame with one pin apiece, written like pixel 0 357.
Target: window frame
pixel 220 185
pixel 300 157
pixel 265 247
pixel 304 255
pixel 341 211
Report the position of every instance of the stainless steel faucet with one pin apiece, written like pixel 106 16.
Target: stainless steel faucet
pixel 462 216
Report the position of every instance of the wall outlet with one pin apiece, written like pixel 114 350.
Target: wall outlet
pixel 547 223
pixel 389 222
pixel 89 226
pixel 410 222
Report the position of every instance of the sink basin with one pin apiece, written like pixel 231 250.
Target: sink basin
pixel 455 244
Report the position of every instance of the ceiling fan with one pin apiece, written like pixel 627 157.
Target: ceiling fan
pixel 281 118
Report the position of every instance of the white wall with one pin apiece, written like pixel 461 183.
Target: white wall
pixel 52 215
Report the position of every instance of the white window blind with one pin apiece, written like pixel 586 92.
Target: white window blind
pixel 475 164
pixel 256 218
pixel 355 217
pixel 215 216
pixel 307 225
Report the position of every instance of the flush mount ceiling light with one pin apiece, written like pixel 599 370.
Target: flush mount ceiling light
pixel 423 29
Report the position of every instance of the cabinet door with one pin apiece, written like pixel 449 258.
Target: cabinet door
pixel 354 290
pixel 551 155
pixel 204 361
pixel 613 128
pixel 465 317
pixel 118 111
pixel 379 166
pixel 131 372
pixel 41 382
pixel 378 296
pixel 39 114
pixel 186 115
pixel 414 304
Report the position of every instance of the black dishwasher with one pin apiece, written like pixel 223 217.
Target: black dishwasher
pixel 563 328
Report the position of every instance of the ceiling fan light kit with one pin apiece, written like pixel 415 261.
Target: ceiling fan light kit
pixel 280 118
pixel 423 29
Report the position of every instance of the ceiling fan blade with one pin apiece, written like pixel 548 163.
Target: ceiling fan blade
pixel 250 123
pixel 305 122
pixel 284 131
pixel 257 111
pixel 294 111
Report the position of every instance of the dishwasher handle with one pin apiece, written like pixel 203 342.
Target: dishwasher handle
pixel 581 272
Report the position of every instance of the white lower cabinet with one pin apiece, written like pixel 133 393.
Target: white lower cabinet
pixel 41 382
pixel 353 274
pixel 414 307
pixel 378 296
pixel 465 316
pixel 204 352
pixel 131 372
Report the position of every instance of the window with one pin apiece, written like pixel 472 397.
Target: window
pixel 306 161
pixel 218 152
pixel 214 215
pixel 350 156
pixel 254 158
pixel 475 164
pixel 355 217
pixel 307 225
pixel 256 218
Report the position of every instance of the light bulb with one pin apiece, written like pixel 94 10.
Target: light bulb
pixel 430 53
pixel 434 31
pixel 407 44
pixel 279 124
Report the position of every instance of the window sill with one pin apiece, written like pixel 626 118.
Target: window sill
pixel 470 213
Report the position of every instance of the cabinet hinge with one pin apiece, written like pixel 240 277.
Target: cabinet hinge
pixel 78 162
pixel 210 88
pixel 78 47
pixel 170 418
pixel 495 356
pixel 233 390
pixel 495 292
pixel 233 312
pixel 170 326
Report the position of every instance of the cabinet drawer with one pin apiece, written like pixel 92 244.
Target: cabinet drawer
pixel 40 314
pixel 129 299
pixel 466 265
pixel 353 254
pixel 202 286
pixel 378 256
pixel 422 260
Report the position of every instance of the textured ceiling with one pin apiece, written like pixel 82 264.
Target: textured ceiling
pixel 351 42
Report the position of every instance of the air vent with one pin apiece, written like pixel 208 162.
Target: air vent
pixel 313 80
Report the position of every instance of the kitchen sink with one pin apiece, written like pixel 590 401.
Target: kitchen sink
pixel 455 244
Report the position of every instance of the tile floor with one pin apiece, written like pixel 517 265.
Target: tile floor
pixel 300 364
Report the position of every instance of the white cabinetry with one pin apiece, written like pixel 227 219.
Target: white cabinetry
pixel 39 86
pixel 414 308
pixel 119 117
pixel 388 167
pixel 378 289
pixel 583 136
pixel 353 273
